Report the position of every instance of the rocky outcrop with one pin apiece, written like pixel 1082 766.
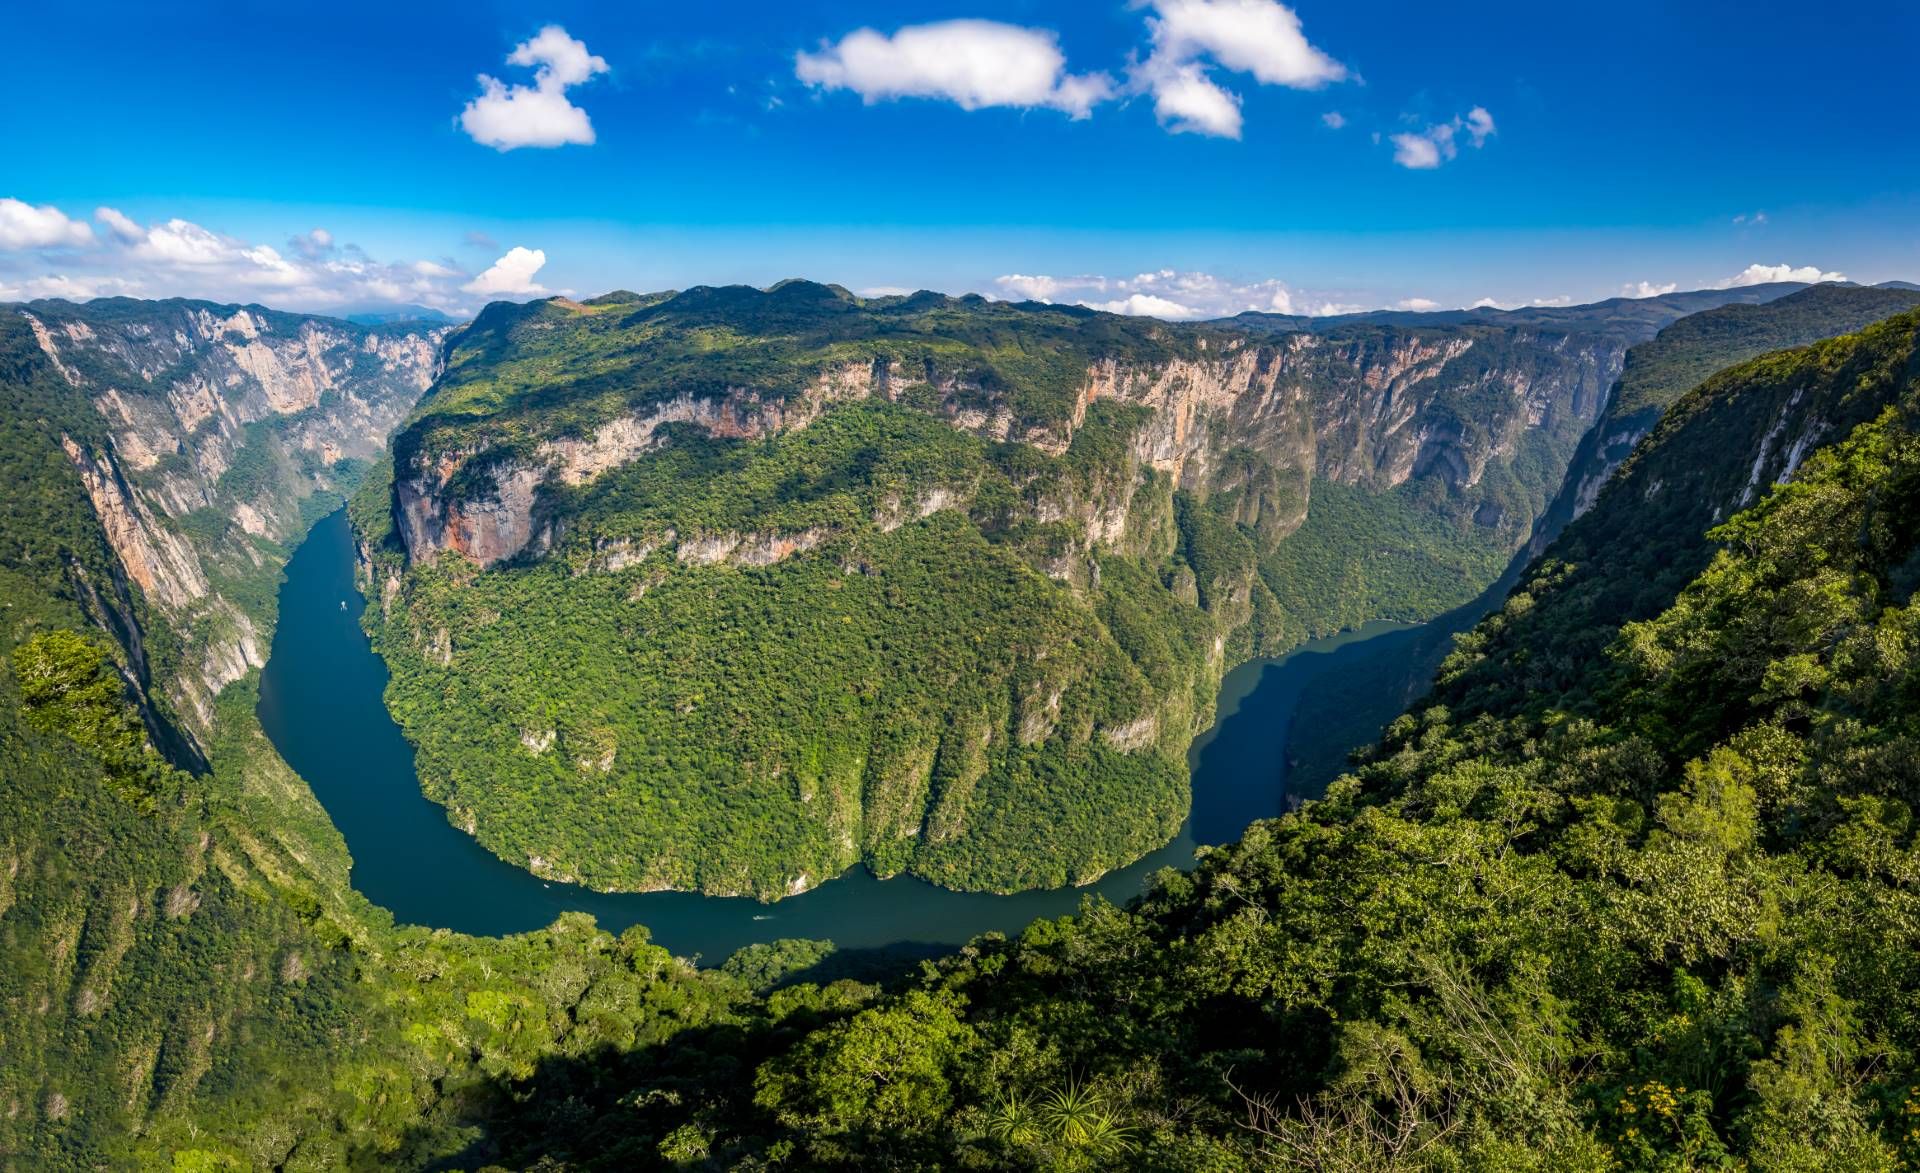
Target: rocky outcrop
pixel 498 522
pixel 214 423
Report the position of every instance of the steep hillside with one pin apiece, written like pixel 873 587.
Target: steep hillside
pixel 1351 710
pixel 186 978
pixel 1715 452
pixel 1684 354
pixel 201 435
pixel 732 589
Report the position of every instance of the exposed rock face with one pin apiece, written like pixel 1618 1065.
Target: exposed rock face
pixel 158 559
pixel 215 421
pixel 1372 413
pixel 499 522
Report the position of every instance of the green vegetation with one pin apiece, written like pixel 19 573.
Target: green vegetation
pixel 186 979
pixel 811 616
pixel 1363 556
pixel 1686 353
pixel 521 373
pixel 908 691
pixel 1351 710
pixel 1634 891
pixel 1641 542
pixel 1663 920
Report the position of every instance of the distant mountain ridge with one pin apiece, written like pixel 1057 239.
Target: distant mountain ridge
pixel 1624 317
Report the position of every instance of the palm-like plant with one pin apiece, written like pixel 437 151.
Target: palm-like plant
pixel 1078 1116
pixel 1012 1121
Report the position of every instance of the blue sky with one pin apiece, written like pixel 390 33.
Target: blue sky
pixel 1172 156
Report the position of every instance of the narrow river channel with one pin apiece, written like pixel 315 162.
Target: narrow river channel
pixel 321 703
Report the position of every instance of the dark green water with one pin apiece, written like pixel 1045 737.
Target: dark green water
pixel 321 703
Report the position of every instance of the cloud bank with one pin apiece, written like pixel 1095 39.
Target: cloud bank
pixel 1173 295
pixel 44 252
pixel 1767 274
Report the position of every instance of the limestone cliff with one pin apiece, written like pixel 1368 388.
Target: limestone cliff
pixel 1261 419
pixel 210 426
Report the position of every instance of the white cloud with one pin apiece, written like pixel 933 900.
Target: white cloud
pixel 24 226
pixel 512 273
pixel 1041 288
pixel 971 63
pixel 979 63
pixel 1488 303
pixel 70 288
pixel 182 242
pixel 1767 274
pixel 1172 294
pixel 1258 37
pixel 1756 219
pixel 1026 288
pixel 1147 305
pixel 558 59
pixel 1333 120
pixel 1479 125
pixel 1187 101
pixel 119 224
pixel 505 117
pixel 1439 143
pixel 1419 305
pixel 1424 152
pixel 1639 289
pixel 312 244
pixel 179 258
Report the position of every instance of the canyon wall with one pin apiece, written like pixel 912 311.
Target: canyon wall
pixel 1263 419
pixel 209 428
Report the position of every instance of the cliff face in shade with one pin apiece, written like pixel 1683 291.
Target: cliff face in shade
pixel 210 428
pixel 1370 692
pixel 1716 450
pixel 1682 356
pixel 943 576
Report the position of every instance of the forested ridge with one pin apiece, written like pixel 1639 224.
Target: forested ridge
pixel 730 590
pixel 1635 889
